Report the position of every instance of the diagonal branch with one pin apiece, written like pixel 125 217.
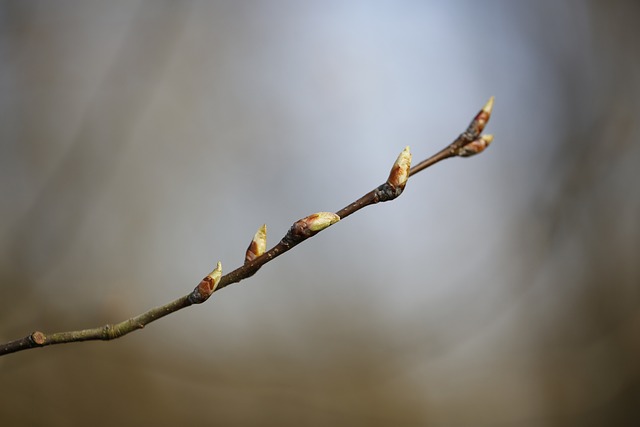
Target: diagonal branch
pixel 470 142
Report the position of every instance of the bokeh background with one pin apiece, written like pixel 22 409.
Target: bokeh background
pixel 142 141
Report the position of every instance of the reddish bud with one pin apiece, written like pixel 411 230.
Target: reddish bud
pixel 209 284
pixel 481 119
pixel 312 224
pixel 258 245
pixel 400 170
pixel 475 147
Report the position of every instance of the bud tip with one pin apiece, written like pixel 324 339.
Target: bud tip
pixel 216 273
pixel 488 107
pixel 488 139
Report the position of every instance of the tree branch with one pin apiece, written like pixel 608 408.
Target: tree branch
pixel 470 142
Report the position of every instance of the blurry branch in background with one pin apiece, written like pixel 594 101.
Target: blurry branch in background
pixel 469 143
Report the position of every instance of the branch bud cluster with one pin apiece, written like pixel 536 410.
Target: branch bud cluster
pixel 475 142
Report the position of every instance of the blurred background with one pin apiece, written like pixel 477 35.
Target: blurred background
pixel 142 141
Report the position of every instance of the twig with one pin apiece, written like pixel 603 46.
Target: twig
pixel 470 142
